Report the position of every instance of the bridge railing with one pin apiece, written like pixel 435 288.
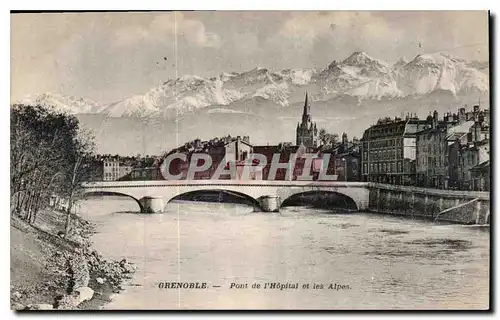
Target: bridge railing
pixel 161 183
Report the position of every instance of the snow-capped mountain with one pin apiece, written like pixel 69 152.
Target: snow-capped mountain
pixel 175 97
pixel 359 76
pixel 66 104
pixel 431 72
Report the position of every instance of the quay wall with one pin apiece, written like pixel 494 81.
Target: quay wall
pixel 465 207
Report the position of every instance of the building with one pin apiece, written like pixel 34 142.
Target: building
pixel 307 133
pixel 472 165
pixel 345 160
pixel 238 149
pixel 285 150
pixel 441 149
pixel 388 150
pixel 141 174
pixel 111 170
pixel 480 176
pixel 438 148
pixel 232 149
pixel 124 169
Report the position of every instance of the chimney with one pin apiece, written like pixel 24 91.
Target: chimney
pixel 475 132
pixel 462 116
pixel 344 139
pixel 446 117
pixel 197 143
pixel 476 108
pixel 434 119
pixel 481 117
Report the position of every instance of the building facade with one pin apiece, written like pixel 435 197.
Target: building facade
pixel 473 157
pixel 480 176
pixel 388 150
pixel 307 133
pixel 111 169
pixel 345 160
pixel 238 149
pixel 446 151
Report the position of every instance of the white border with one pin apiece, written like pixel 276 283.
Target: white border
pixel 191 5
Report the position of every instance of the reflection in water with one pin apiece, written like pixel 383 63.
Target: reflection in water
pixel 387 262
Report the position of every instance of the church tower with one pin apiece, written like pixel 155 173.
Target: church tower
pixel 307 133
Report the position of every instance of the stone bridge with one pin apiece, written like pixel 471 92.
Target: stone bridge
pixel 152 196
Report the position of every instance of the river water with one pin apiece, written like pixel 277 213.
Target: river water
pixel 380 262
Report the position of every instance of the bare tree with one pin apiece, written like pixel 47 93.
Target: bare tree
pixel 80 171
pixel 48 150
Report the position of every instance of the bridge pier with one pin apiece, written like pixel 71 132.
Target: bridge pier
pixel 270 203
pixel 152 204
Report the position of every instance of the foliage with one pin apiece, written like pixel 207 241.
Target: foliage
pixel 48 159
pixel 328 139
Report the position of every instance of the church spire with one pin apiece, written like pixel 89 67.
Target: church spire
pixel 306 111
pixel 307 133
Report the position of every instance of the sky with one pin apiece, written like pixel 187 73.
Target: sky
pixel 107 57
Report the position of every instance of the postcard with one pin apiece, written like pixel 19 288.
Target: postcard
pixel 250 160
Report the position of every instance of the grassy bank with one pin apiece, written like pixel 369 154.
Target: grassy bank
pixel 50 271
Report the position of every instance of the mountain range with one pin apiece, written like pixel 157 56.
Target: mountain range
pixel 356 90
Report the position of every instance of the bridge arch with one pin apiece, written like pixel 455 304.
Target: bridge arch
pixel 112 193
pixel 216 194
pixel 321 198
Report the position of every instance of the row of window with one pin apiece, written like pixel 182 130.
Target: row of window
pixel 387 154
pixel 110 174
pixel 391 167
pixel 139 174
pixel 387 131
pixel 111 164
pixel 383 143
pixel 432 148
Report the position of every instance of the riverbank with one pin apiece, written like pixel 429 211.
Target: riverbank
pixel 50 271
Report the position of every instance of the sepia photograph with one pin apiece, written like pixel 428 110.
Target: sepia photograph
pixel 250 160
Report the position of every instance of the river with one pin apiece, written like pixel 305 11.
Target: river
pixel 381 262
